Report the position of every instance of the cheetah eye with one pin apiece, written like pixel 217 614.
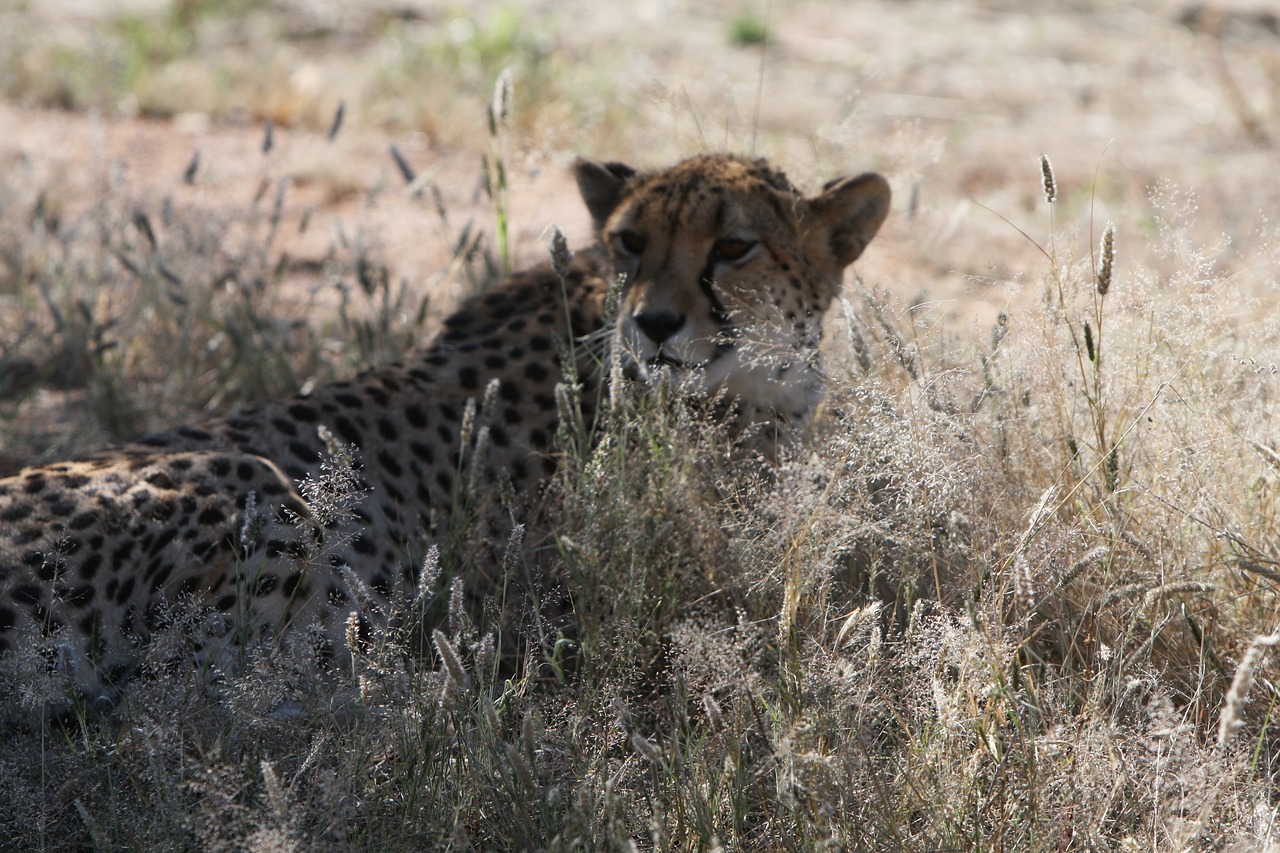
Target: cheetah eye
pixel 629 243
pixel 731 250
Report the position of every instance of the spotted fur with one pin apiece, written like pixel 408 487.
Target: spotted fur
pixel 727 270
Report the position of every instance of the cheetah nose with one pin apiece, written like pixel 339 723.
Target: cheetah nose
pixel 658 325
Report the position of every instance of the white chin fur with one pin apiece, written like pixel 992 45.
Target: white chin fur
pixel 763 384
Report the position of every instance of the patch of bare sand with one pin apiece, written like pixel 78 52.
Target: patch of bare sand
pixel 347 185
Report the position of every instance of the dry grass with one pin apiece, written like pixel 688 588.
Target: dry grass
pixel 1015 591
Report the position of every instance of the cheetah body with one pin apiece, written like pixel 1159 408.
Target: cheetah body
pixel 725 271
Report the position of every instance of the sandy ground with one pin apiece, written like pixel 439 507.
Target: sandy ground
pixel 953 100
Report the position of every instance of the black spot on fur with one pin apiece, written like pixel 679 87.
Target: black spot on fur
pixel 89 567
pixel 16 513
pixel 62 506
pixel 162 511
pixel 290 585
pixel 162 541
pixel 416 417
pixel 27 594
pixel 303 412
pixel 120 555
pixel 285 426
pixel 83 520
pixel 25 537
pixel 211 516
pixel 158 573
pixel 160 480
pixel 347 430
pixel 389 463
pixel 301 452
pixel 79 597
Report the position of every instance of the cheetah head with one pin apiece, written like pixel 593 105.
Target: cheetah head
pixel 727 270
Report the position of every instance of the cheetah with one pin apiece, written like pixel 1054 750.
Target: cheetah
pixel 723 272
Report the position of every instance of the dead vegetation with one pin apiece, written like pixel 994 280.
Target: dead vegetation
pixel 1016 590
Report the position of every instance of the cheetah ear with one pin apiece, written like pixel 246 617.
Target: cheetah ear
pixel 602 185
pixel 851 211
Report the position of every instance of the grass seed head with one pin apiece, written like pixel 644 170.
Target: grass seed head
pixel 521 768
pixel 356 587
pixel 515 547
pixel 474 479
pixel 467 429
pixel 1024 584
pixel 452 662
pixel 1050 182
pixel 715 716
pixel 646 748
pixel 561 255
pixel 489 401
pixel 1106 256
pixel 252 523
pixel 1093 557
pixel 430 574
pixel 1231 720
pixel 457 612
pixel 275 791
pixel 353 632
pixel 500 106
